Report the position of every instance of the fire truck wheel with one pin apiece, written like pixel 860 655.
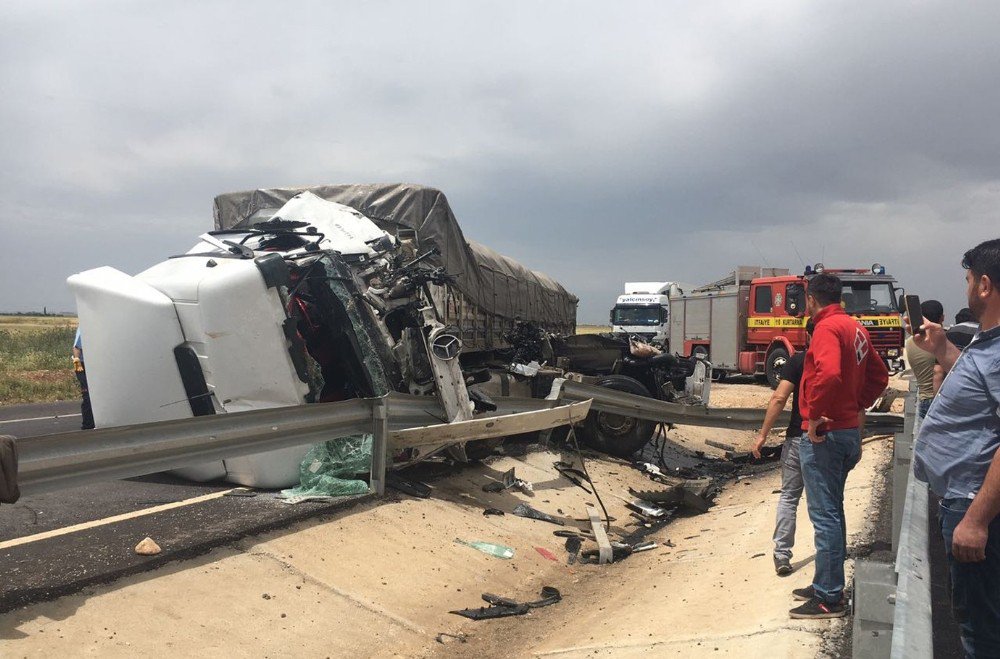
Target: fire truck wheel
pixel 776 359
pixel 617 435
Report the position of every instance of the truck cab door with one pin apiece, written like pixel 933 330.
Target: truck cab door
pixel 760 328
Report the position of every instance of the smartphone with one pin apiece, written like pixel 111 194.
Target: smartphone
pixel 914 314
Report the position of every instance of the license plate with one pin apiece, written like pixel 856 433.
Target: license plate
pixel 892 353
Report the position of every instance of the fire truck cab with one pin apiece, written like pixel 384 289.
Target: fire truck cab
pixel 776 317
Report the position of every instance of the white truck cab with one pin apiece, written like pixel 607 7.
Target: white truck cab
pixel 644 310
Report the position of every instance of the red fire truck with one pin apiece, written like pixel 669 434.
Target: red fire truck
pixel 751 321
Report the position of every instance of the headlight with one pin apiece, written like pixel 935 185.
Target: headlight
pixel 893 352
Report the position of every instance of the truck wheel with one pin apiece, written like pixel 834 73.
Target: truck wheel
pixel 776 360
pixel 480 449
pixel 618 435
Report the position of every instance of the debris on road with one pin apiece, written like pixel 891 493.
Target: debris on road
pixel 508 481
pixel 546 553
pixel 524 510
pixel 573 545
pixel 147 547
pixel 499 551
pixel 503 607
pixel 414 488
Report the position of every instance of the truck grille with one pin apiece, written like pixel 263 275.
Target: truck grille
pixel 886 339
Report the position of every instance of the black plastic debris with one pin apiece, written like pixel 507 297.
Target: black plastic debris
pixel 503 607
pixel 524 510
pixel 619 551
pixel 406 486
pixel 572 474
pixel 573 544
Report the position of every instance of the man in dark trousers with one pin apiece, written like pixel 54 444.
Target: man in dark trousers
pixel 791 470
pixel 956 454
pixel 842 376
pixel 81 376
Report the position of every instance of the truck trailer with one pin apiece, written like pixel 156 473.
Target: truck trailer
pixel 752 321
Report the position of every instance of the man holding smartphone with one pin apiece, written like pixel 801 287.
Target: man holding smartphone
pixel 956 454
pixel 842 376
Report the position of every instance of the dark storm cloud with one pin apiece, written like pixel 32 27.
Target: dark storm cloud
pixel 597 143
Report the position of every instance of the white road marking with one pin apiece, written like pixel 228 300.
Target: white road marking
pixel 6 544
pixel 41 418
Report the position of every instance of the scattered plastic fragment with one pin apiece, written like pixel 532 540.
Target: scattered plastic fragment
pixel 573 545
pixel 499 551
pixel 502 607
pixel 508 481
pixel 406 486
pixel 524 510
pixel 546 553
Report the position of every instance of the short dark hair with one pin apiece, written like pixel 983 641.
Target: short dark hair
pixel 826 289
pixel 965 316
pixel 932 311
pixel 984 259
pixel 810 326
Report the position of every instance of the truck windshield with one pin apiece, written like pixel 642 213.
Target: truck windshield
pixel 868 297
pixel 637 315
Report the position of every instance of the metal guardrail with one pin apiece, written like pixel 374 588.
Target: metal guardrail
pixel 64 460
pixel 732 418
pixel 892 611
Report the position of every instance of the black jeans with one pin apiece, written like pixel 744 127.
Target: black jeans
pixel 975 587
pixel 85 410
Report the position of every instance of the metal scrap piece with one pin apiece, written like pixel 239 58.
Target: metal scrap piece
pixel 524 510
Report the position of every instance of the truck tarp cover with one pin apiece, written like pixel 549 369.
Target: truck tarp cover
pixel 495 283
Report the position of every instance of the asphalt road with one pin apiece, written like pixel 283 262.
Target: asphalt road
pixel 45 565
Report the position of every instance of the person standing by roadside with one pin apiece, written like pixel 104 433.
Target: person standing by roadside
pixel 956 454
pixel 964 329
pixel 922 362
pixel 81 376
pixel 841 377
pixel 791 472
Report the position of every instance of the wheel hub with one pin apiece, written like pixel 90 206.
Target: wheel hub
pixel 615 424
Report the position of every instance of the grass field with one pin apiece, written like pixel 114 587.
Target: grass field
pixel 592 329
pixel 35 362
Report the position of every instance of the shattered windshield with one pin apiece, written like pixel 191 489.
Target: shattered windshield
pixel 637 315
pixel 868 297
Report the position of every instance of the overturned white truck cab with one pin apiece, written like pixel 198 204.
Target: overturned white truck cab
pixel 337 292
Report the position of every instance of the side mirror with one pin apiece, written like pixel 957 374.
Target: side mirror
pixel 901 302
pixel 611 317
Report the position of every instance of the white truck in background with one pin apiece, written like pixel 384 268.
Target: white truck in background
pixel 644 310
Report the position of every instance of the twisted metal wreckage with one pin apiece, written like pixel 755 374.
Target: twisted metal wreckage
pixel 341 314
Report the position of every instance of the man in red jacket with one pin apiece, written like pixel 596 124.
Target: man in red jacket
pixel 842 376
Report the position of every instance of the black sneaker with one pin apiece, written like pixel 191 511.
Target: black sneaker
pixel 816 609
pixel 809 593
pixel 782 566
pixel 804 594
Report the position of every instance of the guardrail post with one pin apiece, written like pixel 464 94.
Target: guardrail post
pixel 380 444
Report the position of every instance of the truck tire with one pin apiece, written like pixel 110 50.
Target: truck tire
pixel 618 435
pixel 776 359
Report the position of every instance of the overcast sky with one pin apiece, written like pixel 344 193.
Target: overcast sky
pixel 598 142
